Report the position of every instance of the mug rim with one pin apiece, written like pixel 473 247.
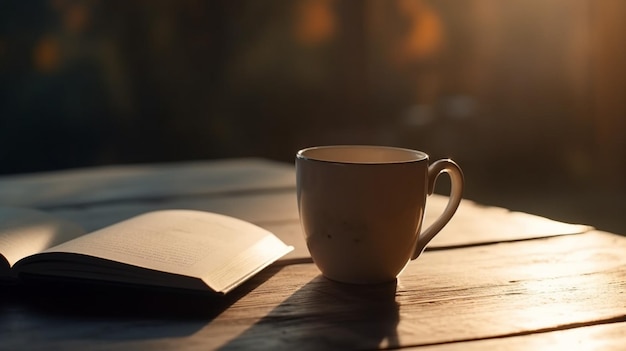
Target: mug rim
pixel 418 156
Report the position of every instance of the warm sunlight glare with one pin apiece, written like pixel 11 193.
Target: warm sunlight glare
pixel 47 55
pixel 424 36
pixel 314 21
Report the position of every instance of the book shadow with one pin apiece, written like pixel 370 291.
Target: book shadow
pixel 324 315
pixel 72 305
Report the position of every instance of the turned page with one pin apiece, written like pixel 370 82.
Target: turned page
pixel 220 250
pixel 24 232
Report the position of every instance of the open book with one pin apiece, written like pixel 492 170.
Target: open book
pixel 181 249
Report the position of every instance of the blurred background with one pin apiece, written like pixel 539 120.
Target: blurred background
pixel 529 96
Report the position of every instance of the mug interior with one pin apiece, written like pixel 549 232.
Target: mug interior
pixel 361 154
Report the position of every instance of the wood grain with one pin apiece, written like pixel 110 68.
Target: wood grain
pixel 601 337
pixel 452 295
pixel 492 279
pixel 448 296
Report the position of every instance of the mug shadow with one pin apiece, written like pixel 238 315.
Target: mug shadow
pixel 324 315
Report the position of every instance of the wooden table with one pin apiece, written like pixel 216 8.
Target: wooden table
pixel 493 279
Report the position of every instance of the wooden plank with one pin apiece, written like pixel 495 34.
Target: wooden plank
pixel 605 337
pixel 137 182
pixel 444 297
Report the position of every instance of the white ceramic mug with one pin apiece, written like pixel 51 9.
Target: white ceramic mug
pixel 361 208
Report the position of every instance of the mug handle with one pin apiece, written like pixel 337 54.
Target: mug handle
pixel 456 192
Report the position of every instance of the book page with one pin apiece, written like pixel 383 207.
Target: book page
pixel 220 250
pixel 24 232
